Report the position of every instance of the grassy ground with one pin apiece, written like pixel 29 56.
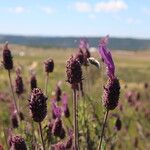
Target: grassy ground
pixel 133 70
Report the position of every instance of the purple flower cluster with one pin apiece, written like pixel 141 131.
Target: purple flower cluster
pixel 107 57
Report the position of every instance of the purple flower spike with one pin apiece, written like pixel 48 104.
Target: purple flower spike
pixel 56 110
pixel 84 44
pixel 106 56
pixel 65 105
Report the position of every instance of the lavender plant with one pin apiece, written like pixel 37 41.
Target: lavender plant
pixel 49 67
pixel 74 77
pixel 8 65
pixel 38 108
pixel 112 88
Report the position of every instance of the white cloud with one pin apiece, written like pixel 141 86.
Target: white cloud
pixel 133 21
pixel 146 11
pixel 17 10
pixel 83 7
pixel 48 10
pixel 110 6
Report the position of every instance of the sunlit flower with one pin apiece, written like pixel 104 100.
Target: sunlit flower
pixel 106 56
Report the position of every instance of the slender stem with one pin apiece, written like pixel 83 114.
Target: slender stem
pixel 46 82
pixel 14 100
pixel 75 119
pixel 4 130
pixel 102 133
pixel 40 127
pixel 18 103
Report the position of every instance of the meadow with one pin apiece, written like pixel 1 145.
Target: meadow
pixel 133 71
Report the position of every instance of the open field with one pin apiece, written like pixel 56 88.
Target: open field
pixel 133 70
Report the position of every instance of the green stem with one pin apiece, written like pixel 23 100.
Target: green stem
pixel 102 133
pixel 75 119
pixel 4 130
pixel 46 83
pixel 14 100
pixel 40 128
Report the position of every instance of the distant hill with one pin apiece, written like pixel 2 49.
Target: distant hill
pixel 72 42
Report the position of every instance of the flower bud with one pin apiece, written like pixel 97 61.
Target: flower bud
pixel 49 65
pixel 19 87
pixel 118 124
pixel 7 58
pixel 33 82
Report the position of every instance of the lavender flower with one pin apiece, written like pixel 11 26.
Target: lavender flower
pixel 65 105
pixel 49 65
pixel 56 110
pixel 7 58
pixel 69 141
pixel 19 87
pixel 33 82
pixel 80 57
pixel 21 116
pixel 118 124
pixel 37 105
pixel 14 120
pixel 83 44
pixel 58 129
pixel 49 130
pixel 74 72
pixel 84 52
pixel 107 57
pixel 111 94
pixel 18 143
pixel 58 93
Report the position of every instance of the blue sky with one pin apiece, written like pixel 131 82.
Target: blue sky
pixel 120 18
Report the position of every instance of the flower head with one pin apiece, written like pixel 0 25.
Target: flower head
pixel 18 143
pixel 7 58
pixel 79 56
pixel 49 65
pixel 107 57
pixel 21 116
pixel 74 72
pixel 58 93
pixel 111 94
pixel 19 87
pixel 118 124
pixel 37 105
pixel 58 129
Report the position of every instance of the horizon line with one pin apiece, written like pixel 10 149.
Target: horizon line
pixel 74 36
